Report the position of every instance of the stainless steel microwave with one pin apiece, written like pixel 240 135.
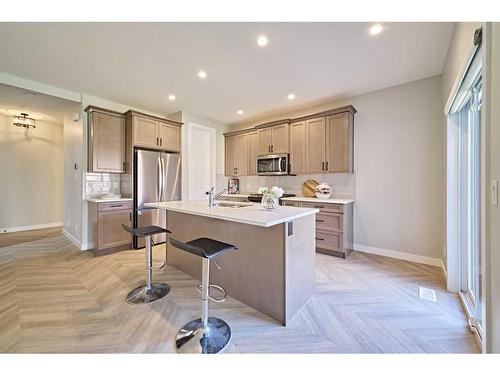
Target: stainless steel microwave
pixel 271 165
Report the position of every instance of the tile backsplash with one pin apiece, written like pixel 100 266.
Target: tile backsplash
pixel 101 183
pixel 343 184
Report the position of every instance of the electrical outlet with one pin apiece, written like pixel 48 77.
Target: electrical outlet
pixel 494 192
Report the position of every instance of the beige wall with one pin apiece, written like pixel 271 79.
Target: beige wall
pixel 399 167
pixel 31 170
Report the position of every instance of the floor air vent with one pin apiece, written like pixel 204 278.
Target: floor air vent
pixel 427 294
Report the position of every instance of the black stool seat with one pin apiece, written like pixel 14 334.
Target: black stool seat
pixel 204 247
pixel 145 231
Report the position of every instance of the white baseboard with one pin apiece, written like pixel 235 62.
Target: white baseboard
pixel 399 255
pixel 443 268
pixel 88 246
pixel 31 227
pixel 73 239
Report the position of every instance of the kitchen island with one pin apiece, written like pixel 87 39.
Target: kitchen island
pixel 273 269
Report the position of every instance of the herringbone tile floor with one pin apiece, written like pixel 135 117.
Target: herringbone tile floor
pixel 54 298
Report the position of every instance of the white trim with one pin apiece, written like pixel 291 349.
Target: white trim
pixel 73 239
pixel 399 255
pixel 459 79
pixel 87 246
pixel 31 227
pixel 443 268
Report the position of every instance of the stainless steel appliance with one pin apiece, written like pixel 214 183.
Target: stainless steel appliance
pixel 271 165
pixel 157 177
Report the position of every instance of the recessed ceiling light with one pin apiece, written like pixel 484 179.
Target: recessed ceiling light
pixel 291 96
pixel 202 74
pixel 171 97
pixel 375 29
pixel 240 111
pixel 262 40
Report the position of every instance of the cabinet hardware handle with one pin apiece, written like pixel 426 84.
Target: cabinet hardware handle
pixel 319 239
pixel 161 141
pixel 319 206
pixel 130 216
pixel 157 142
pixel 326 167
pixel 320 221
pixel 116 205
pixel 322 165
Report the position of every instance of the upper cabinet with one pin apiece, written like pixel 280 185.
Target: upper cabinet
pixel 154 132
pixel 274 139
pixel 298 147
pixel 236 160
pixel 317 143
pixel 253 152
pixel 106 141
pixel 330 143
pixel 339 143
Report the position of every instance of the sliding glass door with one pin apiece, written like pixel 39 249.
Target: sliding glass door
pixel 470 203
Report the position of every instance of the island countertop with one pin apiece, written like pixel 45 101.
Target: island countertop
pixel 252 214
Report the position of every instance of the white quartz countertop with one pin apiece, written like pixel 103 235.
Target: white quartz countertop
pixel 318 200
pixel 99 200
pixel 252 214
pixel 235 195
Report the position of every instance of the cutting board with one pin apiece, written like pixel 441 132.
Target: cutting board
pixel 308 188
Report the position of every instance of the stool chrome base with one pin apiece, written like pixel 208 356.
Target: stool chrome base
pixel 193 339
pixel 141 294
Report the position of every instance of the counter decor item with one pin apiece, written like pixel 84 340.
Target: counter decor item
pixel 308 188
pixel 270 197
pixel 110 196
pixel 323 191
pixel 233 186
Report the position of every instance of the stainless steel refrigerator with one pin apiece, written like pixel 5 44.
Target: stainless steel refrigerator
pixel 157 178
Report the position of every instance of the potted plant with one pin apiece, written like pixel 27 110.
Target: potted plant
pixel 270 197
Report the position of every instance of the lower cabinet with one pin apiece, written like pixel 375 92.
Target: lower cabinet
pixel 334 227
pixel 107 219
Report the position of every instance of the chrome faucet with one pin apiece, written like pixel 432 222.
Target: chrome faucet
pixel 212 196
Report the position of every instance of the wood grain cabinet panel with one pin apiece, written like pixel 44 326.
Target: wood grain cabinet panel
pixel 110 231
pixel 230 155
pixel 242 154
pixel 145 132
pixel 253 151
pixel 169 137
pixel 280 139
pixel 339 143
pixel 334 226
pixel 298 147
pixel 106 142
pixel 315 145
pixel 265 141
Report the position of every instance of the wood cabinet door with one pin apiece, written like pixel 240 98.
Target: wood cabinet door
pixel 253 144
pixel 265 141
pixel 297 147
pixel 242 155
pixel 109 228
pixel 169 137
pixel 108 143
pixel 145 132
pixel 339 145
pixel 315 145
pixel 281 139
pixel 230 155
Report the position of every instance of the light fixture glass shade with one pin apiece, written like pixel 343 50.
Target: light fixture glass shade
pixel 24 121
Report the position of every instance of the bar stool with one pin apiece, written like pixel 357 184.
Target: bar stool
pixel 149 292
pixel 208 334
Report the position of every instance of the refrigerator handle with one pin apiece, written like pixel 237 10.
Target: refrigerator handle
pixel 162 184
pixel 159 179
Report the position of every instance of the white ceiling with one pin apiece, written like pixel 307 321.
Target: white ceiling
pixel 140 64
pixel 14 101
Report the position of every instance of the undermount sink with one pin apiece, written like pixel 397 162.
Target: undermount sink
pixel 231 204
